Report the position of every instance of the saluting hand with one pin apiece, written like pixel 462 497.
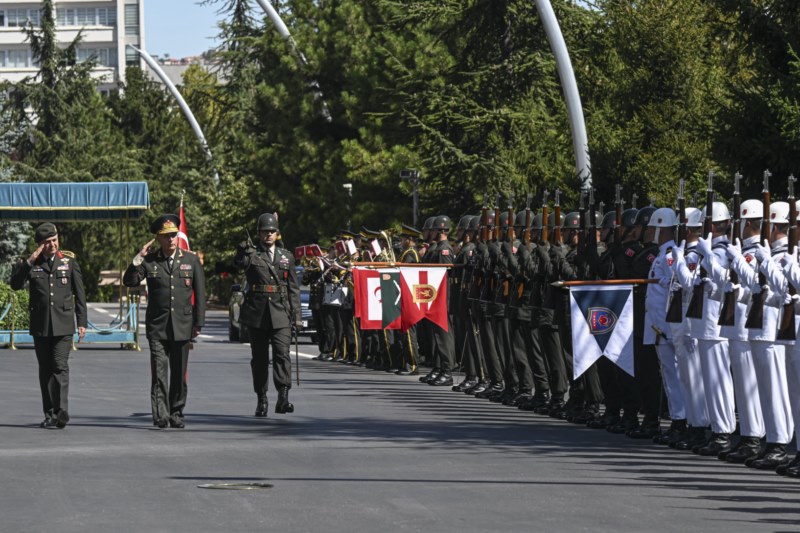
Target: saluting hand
pixel 146 247
pixel 35 255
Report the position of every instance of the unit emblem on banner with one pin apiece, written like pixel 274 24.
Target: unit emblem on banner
pixel 601 320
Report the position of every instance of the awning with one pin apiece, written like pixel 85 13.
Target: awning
pixel 73 201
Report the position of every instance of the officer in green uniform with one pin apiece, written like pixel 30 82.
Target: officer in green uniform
pixel 270 309
pixel 57 300
pixel 172 319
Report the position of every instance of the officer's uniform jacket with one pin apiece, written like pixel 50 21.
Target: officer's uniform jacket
pixel 716 266
pixel 685 270
pixel 658 295
pixel 170 312
pixel 746 267
pixel 57 297
pixel 273 300
pixel 475 266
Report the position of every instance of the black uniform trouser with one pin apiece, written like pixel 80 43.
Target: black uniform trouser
pixel 350 334
pixel 536 359
pixel 619 389
pixel 53 356
pixel 474 340
pixel 648 378
pixel 553 353
pixel 505 349
pixel 319 325
pixel 586 388
pixel 462 329
pixel 494 367
pixel 329 313
pixel 521 346
pixel 410 348
pixel 169 360
pixel 444 346
pixel 260 340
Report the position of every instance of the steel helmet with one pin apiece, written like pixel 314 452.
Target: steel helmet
pixel 751 209
pixel 663 217
pixel 490 218
pixel 609 220
pixel 694 217
pixel 779 213
pixel 551 220
pixel 537 222
pixel 572 220
pixel 519 220
pixel 428 223
pixel 504 220
pixel 629 218
pixel 268 221
pixel 474 222
pixel 719 212
pixel 463 222
pixel 643 216
pixel 442 223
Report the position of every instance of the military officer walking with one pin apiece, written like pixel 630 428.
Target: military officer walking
pixel 173 318
pixel 270 309
pixel 57 300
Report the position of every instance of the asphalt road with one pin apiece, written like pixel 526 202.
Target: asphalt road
pixel 364 451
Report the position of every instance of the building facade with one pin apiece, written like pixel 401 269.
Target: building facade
pixel 107 27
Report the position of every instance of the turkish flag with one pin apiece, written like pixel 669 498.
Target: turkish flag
pixel 367 297
pixel 183 237
pixel 423 295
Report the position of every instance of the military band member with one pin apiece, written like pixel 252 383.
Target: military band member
pixel 174 277
pixel 270 309
pixel 57 302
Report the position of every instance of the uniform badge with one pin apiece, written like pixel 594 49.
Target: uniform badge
pixel 37 269
pixel 62 267
pixel 187 282
pixel 748 258
pixel 445 252
pixel 601 320
pixel 692 266
pixel 186 267
pixel 670 261
pixel 629 252
pixel 64 281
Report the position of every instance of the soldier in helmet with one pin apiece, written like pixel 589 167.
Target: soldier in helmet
pixel 443 342
pixel 174 277
pixel 270 309
pixel 459 304
pixel 54 277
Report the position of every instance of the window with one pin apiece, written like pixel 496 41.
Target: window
pixel 131 57
pixel 2 58
pixel 33 16
pixel 83 17
pixel 131 19
pixel 19 58
pixel 2 18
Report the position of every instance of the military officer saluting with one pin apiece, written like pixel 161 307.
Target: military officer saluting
pixel 270 309
pixel 172 318
pixel 57 300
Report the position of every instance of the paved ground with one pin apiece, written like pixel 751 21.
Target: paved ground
pixel 365 451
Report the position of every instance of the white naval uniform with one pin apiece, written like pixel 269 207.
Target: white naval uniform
pixel 743 344
pixel 688 358
pixel 656 316
pixel 769 358
pixel 715 361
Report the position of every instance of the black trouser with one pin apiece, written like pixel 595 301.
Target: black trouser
pixel 352 339
pixel 168 387
pixel 553 353
pixel 329 313
pixel 410 348
pixel 619 389
pixel 648 378
pixel 319 325
pixel 520 347
pixel 475 340
pixel 536 359
pixel 53 356
pixel 462 329
pixel 260 341
pixel 494 366
pixel 444 347
pixel 586 388
pixel 502 335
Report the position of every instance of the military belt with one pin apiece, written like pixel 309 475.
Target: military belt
pixel 267 288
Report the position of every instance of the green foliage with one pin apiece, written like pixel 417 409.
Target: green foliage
pixel 18 314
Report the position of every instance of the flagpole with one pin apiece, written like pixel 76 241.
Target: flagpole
pixel 584 283
pixel 377 264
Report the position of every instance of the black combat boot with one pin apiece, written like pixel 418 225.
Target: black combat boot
pixel 791 469
pixel 720 442
pixel 283 405
pixel 262 406
pixel 773 456
pixel 746 447
pixel 445 379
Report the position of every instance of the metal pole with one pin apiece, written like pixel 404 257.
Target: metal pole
pixel 416 201
pixel 153 64
pixel 580 143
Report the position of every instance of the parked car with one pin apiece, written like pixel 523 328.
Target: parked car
pixel 238 292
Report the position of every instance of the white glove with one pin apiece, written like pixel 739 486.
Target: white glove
pixel 675 287
pixel 791 298
pixel 677 253
pixel 762 252
pixel 704 246
pixel 702 281
pixel 730 287
pixel 665 282
pixel 734 250
pixel 788 260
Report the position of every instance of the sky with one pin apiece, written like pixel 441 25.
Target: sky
pixel 179 28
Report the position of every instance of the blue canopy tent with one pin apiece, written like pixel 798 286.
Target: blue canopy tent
pixel 79 202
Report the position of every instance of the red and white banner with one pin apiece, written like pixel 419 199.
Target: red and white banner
pixel 367 295
pixel 423 295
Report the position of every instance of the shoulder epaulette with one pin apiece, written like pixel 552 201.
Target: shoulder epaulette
pixel 67 253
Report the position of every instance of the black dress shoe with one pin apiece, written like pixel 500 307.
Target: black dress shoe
pixel 468 383
pixel 720 442
pixel 443 380
pixel 48 422
pixel 161 423
pixel 589 413
pixel 783 470
pixel 521 399
pixel 492 389
pixel 262 407
pixel 176 422
pixel 696 436
pixel 676 431
pixel 624 426
pixel 430 376
pixel 774 455
pixel 283 406
pixel 746 447
pixel 478 388
pixel 61 419
pixel 540 399
pixel 647 430
pixel 554 404
pixel 507 395
pixel 607 419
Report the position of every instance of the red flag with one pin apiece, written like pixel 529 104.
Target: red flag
pixel 423 295
pixel 183 237
pixel 367 289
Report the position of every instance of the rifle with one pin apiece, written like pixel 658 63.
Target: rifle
pixel 591 235
pixel 601 207
pixel 619 205
pixel 511 234
pixel 675 310
pixel 786 328
pixel 557 217
pixel 526 236
pixel 496 235
pixel 755 317
pixel 727 316
pixel 634 197
pixel 696 303
pixel 485 219
pixel 582 225
pixel 545 237
pixel 694 199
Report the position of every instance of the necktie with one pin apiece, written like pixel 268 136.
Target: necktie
pixel 269 255
pixel 169 263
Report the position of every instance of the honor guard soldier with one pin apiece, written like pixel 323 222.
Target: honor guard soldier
pixel 57 301
pixel 270 310
pixel 174 277
pixel 459 305
pixel 443 343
